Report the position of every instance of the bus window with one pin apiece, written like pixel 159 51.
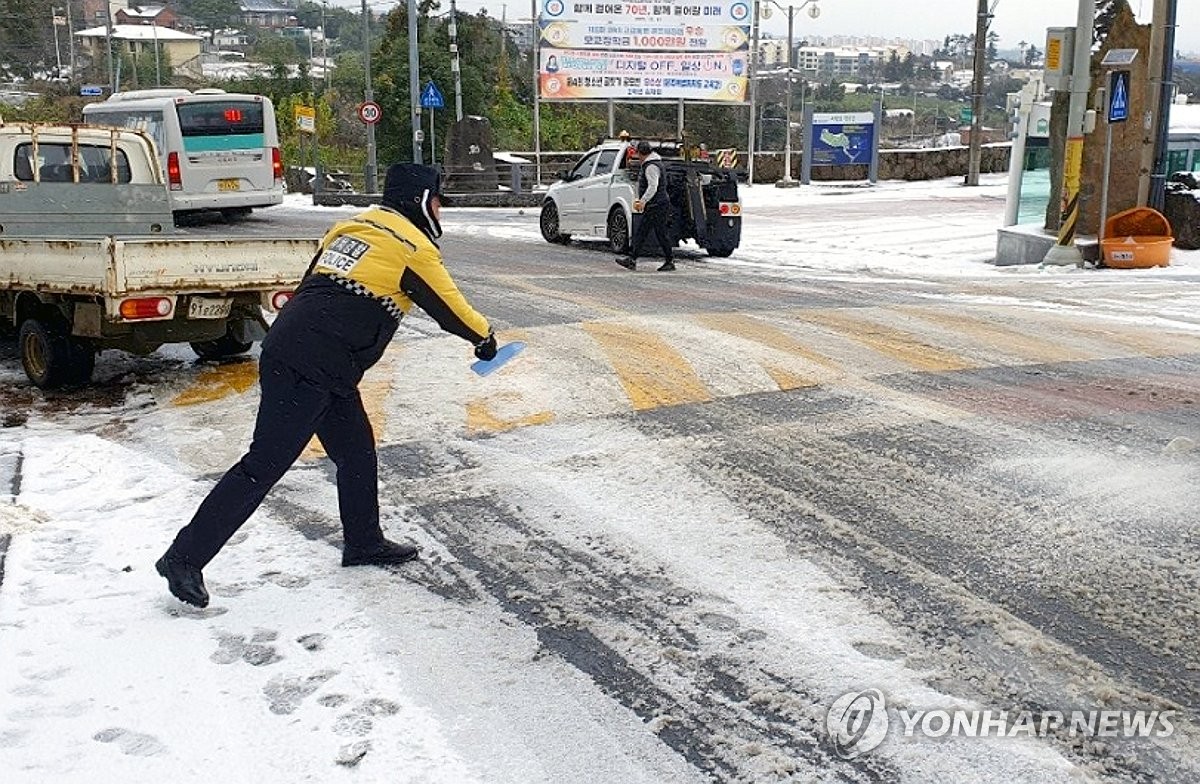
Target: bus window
pixel 220 118
pixel 147 121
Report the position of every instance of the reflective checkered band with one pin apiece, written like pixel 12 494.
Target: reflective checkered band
pixel 357 288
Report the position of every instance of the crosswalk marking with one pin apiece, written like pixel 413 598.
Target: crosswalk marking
pixel 652 373
pixel 894 343
pixel 1007 339
pixel 218 382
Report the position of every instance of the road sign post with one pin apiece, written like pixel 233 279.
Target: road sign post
pixel 1116 104
pixel 432 98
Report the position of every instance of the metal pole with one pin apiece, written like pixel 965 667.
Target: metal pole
pixel 113 76
pixel 454 65
pixel 1158 179
pixel 787 111
pixel 612 120
pixel 1016 160
pixel 432 140
pixel 1064 252
pixel 1103 99
pixel 753 90
pixel 975 147
pixel 158 65
pixel 537 93
pixel 57 52
pixel 325 46
pixel 71 41
pixel 369 174
pixel 414 80
pixel 679 121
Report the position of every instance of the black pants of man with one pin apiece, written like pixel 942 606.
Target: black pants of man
pixel 292 410
pixel 656 218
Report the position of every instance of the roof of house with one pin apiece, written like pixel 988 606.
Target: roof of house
pixel 139 33
pixel 144 12
pixel 265 6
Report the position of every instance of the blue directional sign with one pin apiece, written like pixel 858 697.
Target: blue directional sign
pixel 431 97
pixel 91 89
pixel 1118 104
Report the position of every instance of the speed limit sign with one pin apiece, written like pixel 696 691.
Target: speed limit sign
pixel 369 112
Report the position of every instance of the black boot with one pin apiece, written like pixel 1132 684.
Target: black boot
pixel 626 262
pixel 385 553
pixel 184 579
pixel 667 266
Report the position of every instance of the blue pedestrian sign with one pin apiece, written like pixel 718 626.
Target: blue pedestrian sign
pixel 1118 104
pixel 431 97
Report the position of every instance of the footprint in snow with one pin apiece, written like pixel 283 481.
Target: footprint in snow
pixel 135 744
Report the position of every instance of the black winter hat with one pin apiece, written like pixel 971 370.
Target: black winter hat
pixel 409 188
pixel 643 147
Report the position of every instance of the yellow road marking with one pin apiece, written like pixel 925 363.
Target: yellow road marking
pixel 897 344
pixel 766 334
pixel 481 419
pixel 652 373
pixel 1035 349
pixel 231 378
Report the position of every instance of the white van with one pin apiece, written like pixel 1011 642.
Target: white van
pixel 219 150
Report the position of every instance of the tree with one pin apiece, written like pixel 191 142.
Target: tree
pixel 26 37
pixel 214 13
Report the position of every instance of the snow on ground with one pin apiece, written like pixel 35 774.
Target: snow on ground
pixel 302 671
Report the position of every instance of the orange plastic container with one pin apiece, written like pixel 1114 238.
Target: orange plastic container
pixel 1137 238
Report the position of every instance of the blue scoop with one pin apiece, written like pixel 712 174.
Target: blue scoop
pixel 503 355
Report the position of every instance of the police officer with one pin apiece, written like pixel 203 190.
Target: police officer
pixel 368 273
pixel 655 206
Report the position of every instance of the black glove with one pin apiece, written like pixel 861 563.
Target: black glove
pixel 486 350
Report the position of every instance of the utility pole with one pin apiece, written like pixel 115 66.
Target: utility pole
pixel 1158 178
pixel 370 184
pixel 157 63
pixel 536 54
pixel 787 181
pixel 113 75
pixel 754 24
pixel 982 15
pixel 414 81
pixel 325 46
pixel 454 61
pixel 1064 252
pixel 71 41
pixel 57 53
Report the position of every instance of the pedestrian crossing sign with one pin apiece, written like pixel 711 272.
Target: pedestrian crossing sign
pixel 1118 102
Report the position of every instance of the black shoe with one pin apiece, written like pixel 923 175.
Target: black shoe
pixel 386 553
pixel 184 579
pixel 667 266
pixel 626 262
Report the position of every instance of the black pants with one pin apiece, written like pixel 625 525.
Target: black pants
pixel 656 218
pixel 292 410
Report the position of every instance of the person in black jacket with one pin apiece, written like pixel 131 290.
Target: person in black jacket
pixel 655 206
pixel 368 273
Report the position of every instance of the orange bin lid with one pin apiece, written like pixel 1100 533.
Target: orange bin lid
pixel 1137 222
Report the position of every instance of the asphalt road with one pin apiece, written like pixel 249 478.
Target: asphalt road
pixel 1002 471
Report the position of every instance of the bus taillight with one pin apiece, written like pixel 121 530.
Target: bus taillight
pixel 277 164
pixel 174 176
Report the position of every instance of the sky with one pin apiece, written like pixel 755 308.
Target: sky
pixel 1015 20
pixel 301 671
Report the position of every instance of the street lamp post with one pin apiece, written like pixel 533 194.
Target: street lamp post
pixel 814 12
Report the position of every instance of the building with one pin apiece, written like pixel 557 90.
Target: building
pixel 178 49
pixel 146 15
pixel 843 62
pixel 269 14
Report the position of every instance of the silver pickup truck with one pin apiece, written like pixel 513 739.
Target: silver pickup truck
pixel 88 259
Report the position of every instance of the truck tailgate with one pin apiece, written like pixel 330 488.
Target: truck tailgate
pixel 210 265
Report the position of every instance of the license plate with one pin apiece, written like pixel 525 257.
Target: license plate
pixel 204 308
pixel 229 185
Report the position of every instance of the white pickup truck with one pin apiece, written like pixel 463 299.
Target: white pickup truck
pixel 88 260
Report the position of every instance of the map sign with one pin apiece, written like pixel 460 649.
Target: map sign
pixel 633 35
pixel 706 76
pixel 844 138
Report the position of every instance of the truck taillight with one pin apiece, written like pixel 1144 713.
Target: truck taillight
pixel 277 164
pixel 174 175
pixel 732 208
pixel 145 308
pixel 280 298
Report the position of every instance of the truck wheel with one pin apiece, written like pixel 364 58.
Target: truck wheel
pixel 224 346
pixel 618 230
pixel 720 252
pixel 549 225
pixel 51 357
